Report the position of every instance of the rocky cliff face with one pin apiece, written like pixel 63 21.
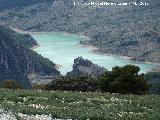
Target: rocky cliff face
pixel 85 67
pixel 20 63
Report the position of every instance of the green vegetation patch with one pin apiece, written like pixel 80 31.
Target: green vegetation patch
pixel 81 105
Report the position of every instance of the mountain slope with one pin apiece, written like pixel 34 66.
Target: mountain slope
pixel 24 40
pixel 20 63
pixel 131 30
pixel 6 4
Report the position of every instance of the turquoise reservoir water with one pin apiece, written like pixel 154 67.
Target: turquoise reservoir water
pixel 63 48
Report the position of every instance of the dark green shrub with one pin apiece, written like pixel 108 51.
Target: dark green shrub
pixel 124 80
pixel 72 83
pixel 38 86
pixel 11 84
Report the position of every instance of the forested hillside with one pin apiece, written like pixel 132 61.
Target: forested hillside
pixel 17 62
pixel 131 30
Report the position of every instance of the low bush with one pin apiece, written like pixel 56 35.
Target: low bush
pixel 11 84
pixel 70 83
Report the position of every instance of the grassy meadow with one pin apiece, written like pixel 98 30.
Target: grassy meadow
pixel 80 105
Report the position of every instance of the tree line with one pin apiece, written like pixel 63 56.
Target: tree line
pixel 124 80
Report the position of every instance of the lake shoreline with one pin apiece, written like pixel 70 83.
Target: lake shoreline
pixel 35 46
pixel 65 33
pixel 93 49
pixel 58 66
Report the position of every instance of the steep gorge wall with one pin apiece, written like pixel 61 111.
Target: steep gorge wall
pixel 18 62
